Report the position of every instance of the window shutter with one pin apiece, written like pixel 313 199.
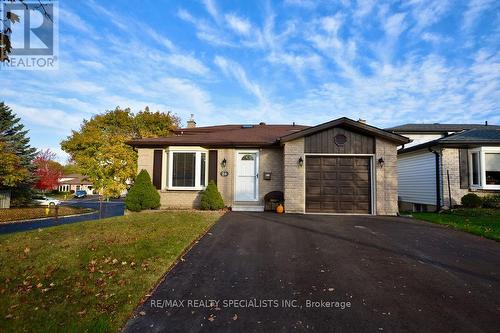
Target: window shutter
pixel 212 166
pixel 157 165
pixel 463 157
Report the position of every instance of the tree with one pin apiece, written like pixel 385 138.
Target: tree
pixel 99 148
pixel 71 168
pixel 143 194
pixel 16 156
pixel 47 171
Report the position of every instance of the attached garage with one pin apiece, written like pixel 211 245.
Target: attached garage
pixel 338 184
pixel 341 167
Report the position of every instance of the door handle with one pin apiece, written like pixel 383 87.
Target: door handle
pixel 257 175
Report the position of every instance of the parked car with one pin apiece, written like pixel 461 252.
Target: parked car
pixel 43 200
pixel 80 194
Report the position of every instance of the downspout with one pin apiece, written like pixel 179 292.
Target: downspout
pixel 438 181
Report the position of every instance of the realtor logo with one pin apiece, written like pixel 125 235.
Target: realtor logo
pixel 32 30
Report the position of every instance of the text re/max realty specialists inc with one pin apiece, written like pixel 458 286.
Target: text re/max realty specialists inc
pixel 248 303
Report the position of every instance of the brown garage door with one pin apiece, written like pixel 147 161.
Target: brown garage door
pixel 338 184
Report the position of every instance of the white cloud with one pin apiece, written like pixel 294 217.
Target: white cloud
pixel 309 4
pixel 474 10
pixel 211 8
pixel 233 69
pixel 238 24
pixel 394 25
pixel 188 63
pixel 71 19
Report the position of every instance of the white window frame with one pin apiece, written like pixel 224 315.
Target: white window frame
pixel 197 174
pixel 482 167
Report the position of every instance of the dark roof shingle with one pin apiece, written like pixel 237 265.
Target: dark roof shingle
pixel 222 136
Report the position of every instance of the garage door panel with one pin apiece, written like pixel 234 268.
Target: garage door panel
pixel 338 184
pixel 313 190
pixel 329 175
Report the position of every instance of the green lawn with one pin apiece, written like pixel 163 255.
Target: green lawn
pixel 480 221
pixel 89 277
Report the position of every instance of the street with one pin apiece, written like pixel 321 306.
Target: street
pixel 116 207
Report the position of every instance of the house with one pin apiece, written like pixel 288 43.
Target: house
pixel 342 166
pixel 446 161
pixel 74 182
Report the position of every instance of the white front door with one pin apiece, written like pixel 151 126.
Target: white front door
pixel 247 166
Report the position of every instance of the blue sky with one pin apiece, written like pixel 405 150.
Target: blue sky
pixel 389 62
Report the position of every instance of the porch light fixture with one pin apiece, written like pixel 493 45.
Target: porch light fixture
pixel 381 162
pixel 301 161
pixel 223 163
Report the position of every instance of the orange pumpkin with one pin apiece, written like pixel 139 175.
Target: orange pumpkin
pixel 280 209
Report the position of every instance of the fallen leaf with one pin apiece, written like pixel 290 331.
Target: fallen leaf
pixel 26 250
pixel 142 313
pixel 235 317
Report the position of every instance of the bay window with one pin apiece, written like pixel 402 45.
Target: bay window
pixel 492 168
pixel 186 169
pixel 484 168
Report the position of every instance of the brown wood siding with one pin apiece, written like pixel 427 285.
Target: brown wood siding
pixel 157 164
pixel 464 168
pixel 338 184
pixel 212 166
pixel 323 142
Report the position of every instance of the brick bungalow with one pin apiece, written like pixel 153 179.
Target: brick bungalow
pixel 339 167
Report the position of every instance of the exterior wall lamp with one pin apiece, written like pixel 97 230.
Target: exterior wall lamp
pixel 301 161
pixel 381 162
pixel 223 163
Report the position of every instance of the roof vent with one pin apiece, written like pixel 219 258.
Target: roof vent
pixel 246 126
pixel 363 121
pixel 262 123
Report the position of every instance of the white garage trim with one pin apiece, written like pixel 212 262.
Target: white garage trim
pixel 372 181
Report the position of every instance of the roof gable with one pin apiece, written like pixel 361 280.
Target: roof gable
pixel 350 124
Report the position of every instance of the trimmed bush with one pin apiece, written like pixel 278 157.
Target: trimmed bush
pixel 211 199
pixel 142 195
pixel 471 200
pixel 491 201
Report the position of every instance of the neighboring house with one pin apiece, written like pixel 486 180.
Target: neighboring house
pixel 74 182
pixel 446 161
pixel 342 166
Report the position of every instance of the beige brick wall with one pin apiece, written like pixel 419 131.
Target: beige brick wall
pixel 180 199
pixel 271 160
pixel 226 184
pixel 294 176
pixel 386 178
pixel 145 160
pixel 450 162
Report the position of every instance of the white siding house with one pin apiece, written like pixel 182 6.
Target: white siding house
pixel 417 178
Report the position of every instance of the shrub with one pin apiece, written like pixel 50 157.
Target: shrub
pixel 471 200
pixel 211 198
pixel 142 195
pixel 491 201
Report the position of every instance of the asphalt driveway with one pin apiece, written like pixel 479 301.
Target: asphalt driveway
pixel 266 272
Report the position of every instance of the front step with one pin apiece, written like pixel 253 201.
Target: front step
pixel 247 208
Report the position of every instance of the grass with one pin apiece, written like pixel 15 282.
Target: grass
pixel 480 221
pixel 30 213
pixel 89 277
